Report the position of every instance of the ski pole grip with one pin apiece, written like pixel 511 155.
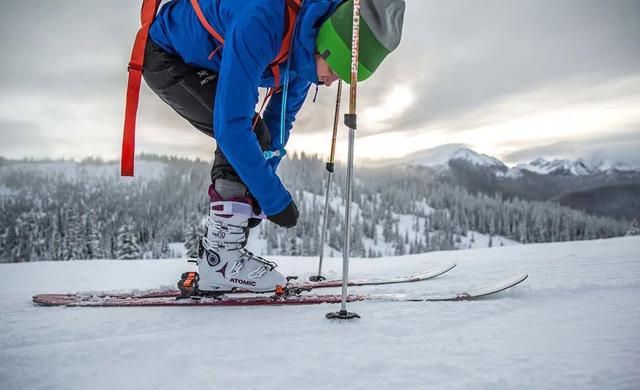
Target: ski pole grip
pixel 351 120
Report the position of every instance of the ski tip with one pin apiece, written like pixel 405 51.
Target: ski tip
pixel 498 287
pixel 522 277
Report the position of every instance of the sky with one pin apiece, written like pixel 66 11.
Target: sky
pixel 513 79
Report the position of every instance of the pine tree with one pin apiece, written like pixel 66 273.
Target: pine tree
pixel 127 247
pixel 191 240
pixel 56 217
pixel 634 229
pixel 94 246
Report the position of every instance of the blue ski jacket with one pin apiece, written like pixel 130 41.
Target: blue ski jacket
pixel 253 32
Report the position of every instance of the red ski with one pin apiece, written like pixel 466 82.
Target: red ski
pixel 87 300
pixel 293 286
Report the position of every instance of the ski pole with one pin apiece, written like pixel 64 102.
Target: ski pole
pixel 350 120
pixel 330 168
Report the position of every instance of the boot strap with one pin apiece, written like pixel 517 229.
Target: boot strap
pixel 225 227
pixel 213 245
pixel 227 207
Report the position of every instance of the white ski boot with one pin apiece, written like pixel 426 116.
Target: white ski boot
pixel 223 263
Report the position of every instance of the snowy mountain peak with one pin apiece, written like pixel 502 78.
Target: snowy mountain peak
pixel 611 166
pixel 441 155
pixel 476 158
pixel 563 167
pixel 579 167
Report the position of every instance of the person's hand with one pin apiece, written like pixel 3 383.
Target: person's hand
pixel 286 218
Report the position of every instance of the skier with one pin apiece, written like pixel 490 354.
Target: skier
pixel 206 59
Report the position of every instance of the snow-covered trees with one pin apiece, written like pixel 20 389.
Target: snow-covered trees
pixel 634 229
pixel 192 236
pixel 51 216
pixel 127 247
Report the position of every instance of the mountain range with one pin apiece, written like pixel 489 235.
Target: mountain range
pixel 599 187
pixel 442 155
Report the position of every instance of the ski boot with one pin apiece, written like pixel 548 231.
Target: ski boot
pixel 224 264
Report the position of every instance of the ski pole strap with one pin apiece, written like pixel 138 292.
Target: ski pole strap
pixel 227 207
pixel 269 154
pixel 148 13
pixel 293 6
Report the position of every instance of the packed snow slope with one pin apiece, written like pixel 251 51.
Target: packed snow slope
pixel 575 323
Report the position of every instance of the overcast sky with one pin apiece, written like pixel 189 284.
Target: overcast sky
pixel 514 79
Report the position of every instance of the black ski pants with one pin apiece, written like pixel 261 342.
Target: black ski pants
pixel 191 92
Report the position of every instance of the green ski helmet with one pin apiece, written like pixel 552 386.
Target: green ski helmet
pixel 380 32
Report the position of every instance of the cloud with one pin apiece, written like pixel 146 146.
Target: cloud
pixel 460 63
pixel 18 133
pixel 616 147
pixel 460 55
pixel 572 110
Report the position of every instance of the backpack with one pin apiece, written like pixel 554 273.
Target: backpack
pixel 135 68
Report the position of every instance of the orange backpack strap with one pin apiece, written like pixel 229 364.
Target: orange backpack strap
pixel 291 13
pixel 290 16
pixel 205 24
pixel 149 10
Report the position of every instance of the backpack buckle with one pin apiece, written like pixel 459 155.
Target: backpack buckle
pixel 135 67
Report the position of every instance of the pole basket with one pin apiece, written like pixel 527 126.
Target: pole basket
pixel 342 315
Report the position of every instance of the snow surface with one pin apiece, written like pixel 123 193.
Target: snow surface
pixel 575 323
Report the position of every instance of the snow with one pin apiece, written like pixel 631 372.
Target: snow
pixel 573 324
pixel 178 249
pixel 545 167
pixel 476 159
pixel 604 165
pixel 409 226
pixel 5 191
pixel 579 167
pixel 441 155
pixel 475 240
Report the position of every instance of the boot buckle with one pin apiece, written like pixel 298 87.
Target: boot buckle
pixel 259 272
pixel 235 270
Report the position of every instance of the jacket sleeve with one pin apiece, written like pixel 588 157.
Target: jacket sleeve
pixel 298 89
pixel 248 49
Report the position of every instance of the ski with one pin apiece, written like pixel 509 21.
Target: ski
pixel 426 275
pixel 80 300
pixel 292 286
